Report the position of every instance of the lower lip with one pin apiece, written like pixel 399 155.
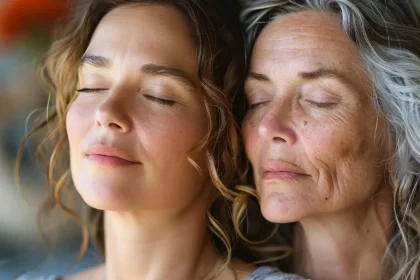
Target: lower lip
pixel 281 175
pixel 111 161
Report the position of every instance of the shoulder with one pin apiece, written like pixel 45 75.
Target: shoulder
pixel 271 273
pixel 89 274
pixel 51 277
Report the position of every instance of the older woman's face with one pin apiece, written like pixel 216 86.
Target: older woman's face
pixel 310 130
pixel 139 114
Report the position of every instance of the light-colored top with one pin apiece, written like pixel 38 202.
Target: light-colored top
pixel 261 273
pixel 271 273
pixel 51 277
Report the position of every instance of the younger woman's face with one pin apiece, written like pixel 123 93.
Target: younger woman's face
pixel 139 113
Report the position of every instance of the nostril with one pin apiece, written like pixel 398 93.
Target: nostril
pixel 279 139
pixel 111 117
pixel 114 125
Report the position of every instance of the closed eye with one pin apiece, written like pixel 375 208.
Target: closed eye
pixel 161 101
pixel 256 105
pixel 323 105
pixel 91 90
pixel 149 97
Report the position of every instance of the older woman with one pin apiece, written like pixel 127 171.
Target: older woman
pixel 333 132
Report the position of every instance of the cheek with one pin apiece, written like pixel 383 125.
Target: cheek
pixel 78 123
pixel 325 147
pixel 343 161
pixel 251 140
pixel 78 120
pixel 164 136
pixel 326 142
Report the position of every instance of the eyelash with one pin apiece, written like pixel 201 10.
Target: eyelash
pixel 90 90
pixel 316 104
pixel 256 105
pixel 161 101
pixel 321 105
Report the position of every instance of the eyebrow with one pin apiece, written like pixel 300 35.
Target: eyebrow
pixel 258 77
pixel 149 69
pixel 96 61
pixel 325 73
pixel 312 75
pixel 170 72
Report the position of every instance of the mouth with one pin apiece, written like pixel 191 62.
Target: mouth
pixel 109 160
pixel 108 155
pixel 282 175
pixel 282 171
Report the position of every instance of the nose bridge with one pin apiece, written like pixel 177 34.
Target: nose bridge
pixel 276 125
pixel 278 112
pixel 114 99
pixel 113 111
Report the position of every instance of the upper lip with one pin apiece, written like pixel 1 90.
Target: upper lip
pixel 110 151
pixel 281 166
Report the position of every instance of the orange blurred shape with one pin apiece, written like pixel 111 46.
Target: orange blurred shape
pixel 19 16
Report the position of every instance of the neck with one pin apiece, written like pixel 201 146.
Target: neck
pixel 152 245
pixel 345 245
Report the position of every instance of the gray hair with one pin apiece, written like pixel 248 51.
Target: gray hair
pixel 387 33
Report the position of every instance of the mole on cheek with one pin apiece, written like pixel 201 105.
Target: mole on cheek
pixel 345 151
pixel 305 123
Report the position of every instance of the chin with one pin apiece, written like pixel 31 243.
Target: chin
pixel 105 196
pixel 104 205
pixel 278 208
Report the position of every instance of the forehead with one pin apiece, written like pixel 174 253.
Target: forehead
pixel 150 33
pixel 306 41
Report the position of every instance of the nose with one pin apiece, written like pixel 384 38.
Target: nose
pixel 276 126
pixel 112 114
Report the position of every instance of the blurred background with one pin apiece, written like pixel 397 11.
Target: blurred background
pixel 26 28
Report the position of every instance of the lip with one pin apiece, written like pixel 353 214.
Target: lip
pixel 109 155
pixel 281 170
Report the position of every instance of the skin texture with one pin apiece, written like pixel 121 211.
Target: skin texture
pixel 126 115
pixel 155 208
pixel 310 112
